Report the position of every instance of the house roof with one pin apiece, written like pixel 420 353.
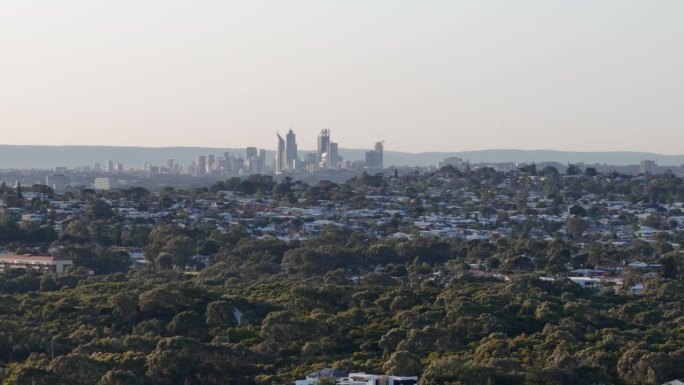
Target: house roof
pixel 28 257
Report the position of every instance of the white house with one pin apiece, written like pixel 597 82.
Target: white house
pixel 585 282
pixel 341 378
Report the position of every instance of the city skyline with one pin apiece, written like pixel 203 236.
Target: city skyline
pixel 437 76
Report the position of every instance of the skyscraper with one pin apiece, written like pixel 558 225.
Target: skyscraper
pixel 332 157
pixel 374 157
pixel 262 160
pixel 323 145
pixel 280 155
pixel 255 159
pixel 290 151
pixel 201 165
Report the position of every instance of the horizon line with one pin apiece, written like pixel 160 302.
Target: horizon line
pixel 361 149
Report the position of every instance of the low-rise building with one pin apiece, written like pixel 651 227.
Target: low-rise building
pixel 341 378
pixel 104 184
pixel 36 262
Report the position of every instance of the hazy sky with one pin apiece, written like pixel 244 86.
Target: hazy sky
pixel 422 75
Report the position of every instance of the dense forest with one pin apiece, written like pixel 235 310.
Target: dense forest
pixel 268 311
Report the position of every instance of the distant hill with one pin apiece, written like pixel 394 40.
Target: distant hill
pixel 622 158
pixel 72 156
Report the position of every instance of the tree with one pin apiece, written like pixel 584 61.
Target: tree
pixel 181 248
pixel 576 226
pixel 159 301
pixel 186 323
pixel 530 169
pixel 668 267
pixel 99 209
pixel 638 366
pixel 89 371
pixel 175 361
pixel 125 305
pixel 573 169
pixel 578 211
pixel 220 314
pixel 76 231
pixel 119 377
pixel 403 363
pixel 27 375
pixel 550 171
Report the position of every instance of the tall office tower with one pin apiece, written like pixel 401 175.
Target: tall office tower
pixel 119 167
pixel 226 164
pixel 262 160
pixel 251 152
pixel 201 165
pixel 280 155
pixel 380 149
pixel 146 166
pixel 211 162
pixel 110 166
pixel 323 145
pixel 237 165
pixel 290 151
pixel 169 164
pixel 252 158
pixel 332 158
pixel 374 157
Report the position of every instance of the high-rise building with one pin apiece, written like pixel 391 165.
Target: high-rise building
pixel 332 158
pixel 323 145
pixel 648 167
pixel 201 165
pixel 57 181
pixel 374 157
pixel 211 162
pixel 227 163
pixel 380 149
pixel 262 160
pixel 290 151
pixel 169 164
pixel 280 155
pixel 256 159
pixel 237 164
pixel 110 166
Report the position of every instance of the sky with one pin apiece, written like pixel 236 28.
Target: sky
pixel 456 75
